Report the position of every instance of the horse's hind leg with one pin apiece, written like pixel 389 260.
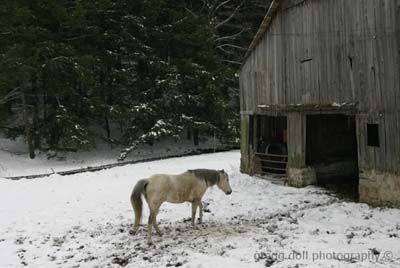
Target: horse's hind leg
pixel 135 229
pixel 153 221
pixel 136 225
pixel 195 204
pixel 155 225
pixel 149 228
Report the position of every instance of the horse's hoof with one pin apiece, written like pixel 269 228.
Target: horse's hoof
pixel 132 232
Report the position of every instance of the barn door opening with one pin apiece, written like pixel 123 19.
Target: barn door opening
pixel 331 149
pixel 271 146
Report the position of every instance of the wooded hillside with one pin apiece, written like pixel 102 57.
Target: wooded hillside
pixel 137 70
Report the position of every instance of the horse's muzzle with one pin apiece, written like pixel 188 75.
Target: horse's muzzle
pixel 228 193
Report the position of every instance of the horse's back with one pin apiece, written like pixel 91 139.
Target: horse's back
pixel 161 181
pixel 169 180
pixel 174 188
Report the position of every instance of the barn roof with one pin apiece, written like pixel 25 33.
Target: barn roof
pixel 273 8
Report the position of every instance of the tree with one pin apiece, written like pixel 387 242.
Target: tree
pixel 137 71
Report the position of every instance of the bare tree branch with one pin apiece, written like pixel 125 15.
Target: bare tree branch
pixel 219 39
pixel 232 46
pixel 232 61
pixel 191 12
pixel 79 37
pixel 207 4
pixel 224 50
pixel 222 23
pixel 13 94
pixel 219 6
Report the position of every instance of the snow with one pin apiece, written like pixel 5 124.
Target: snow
pixel 84 220
pixel 14 156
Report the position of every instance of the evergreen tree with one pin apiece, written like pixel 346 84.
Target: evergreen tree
pixel 138 70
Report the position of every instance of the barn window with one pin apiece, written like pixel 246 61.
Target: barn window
pixel 373 135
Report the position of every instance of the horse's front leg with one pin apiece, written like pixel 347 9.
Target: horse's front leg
pixel 201 211
pixel 195 204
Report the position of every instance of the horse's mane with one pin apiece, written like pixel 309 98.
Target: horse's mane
pixel 209 175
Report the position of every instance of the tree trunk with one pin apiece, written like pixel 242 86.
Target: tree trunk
pixel 28 126
pixel 105 103
pixel 196 136
pixel 44 99
pixel 107 125
pixel 36 134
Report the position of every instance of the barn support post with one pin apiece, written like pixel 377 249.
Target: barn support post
pixel 248 142
pixel 244 144
pixel 254 164
pixel 299 175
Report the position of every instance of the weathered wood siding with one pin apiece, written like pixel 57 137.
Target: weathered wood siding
pixel 326 51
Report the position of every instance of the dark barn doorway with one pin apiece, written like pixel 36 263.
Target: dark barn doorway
pixel 331 149
pixel 271 146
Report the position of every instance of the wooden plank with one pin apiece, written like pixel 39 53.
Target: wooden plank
pixel 392 17
pixel 244 135
pixel 379 43
pixel 272 161
pixel 397 90
pixel 298 47
pixel 296 140
pixel 274 168
pixel 363 160
pixel 273 155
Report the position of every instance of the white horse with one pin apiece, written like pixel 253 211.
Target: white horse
pixel 189 186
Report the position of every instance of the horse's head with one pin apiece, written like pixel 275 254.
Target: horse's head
pixel 223 182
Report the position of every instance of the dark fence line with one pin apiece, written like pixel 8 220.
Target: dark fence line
pixel 124 163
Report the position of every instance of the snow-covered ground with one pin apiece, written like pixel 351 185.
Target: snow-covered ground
pixel 14 157
pixel 84 221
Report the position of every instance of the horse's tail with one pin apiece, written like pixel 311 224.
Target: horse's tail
pixel 136 199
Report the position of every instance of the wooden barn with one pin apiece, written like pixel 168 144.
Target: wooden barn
pixel 320 97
